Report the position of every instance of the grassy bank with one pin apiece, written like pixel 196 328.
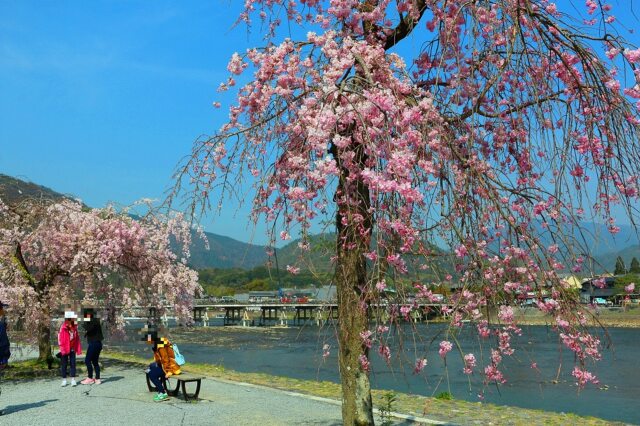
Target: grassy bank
pixel 443 409
pixel 30 369
pixel 628 317
pixel 440 408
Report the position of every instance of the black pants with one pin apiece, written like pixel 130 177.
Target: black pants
pixel 155 375
pixel 71 359
pixel 91 360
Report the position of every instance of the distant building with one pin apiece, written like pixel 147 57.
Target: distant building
pixel 573 281
pixel 591 291
pixel 326 293
pixel 263 296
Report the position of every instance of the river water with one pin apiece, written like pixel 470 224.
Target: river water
pixel 297 353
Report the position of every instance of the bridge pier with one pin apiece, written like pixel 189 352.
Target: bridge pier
pixel 246 321
pixel 198 314
pixel 283 319
pixel 303 313
pixel 269 313
pixel 232 315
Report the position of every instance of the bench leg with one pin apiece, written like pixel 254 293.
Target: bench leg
pixel 171 392
pixel 195 395
pixel 150 386
pixel 184 391
pixel 192 396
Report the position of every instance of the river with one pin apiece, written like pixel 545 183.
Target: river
pixel 297 353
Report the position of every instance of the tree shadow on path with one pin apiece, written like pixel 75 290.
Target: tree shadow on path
pixel 10 409
pixel 111 379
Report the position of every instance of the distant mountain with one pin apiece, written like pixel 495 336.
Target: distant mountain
pixel 607 261
pixel 14 190
pixel 601 242
pixel 225 252
pixel 317 258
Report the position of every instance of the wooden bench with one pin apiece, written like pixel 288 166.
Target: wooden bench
pixel 181 380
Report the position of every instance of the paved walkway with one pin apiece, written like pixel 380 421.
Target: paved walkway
pixel 123 399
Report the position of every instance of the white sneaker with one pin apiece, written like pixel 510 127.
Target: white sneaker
pixel 73 382
pixel 64 383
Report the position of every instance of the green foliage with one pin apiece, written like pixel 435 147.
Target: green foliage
pixel 625 280
pixel 620 268
pixel 31 368
pixel 387 407
pixel 224 282
pixel 634 268
pixel 444 396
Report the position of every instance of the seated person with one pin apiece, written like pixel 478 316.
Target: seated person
pixel 164 365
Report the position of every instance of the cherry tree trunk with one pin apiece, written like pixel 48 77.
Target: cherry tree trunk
pixel 351 282
pixel 356 390
pixel 44 333
pixel 44 341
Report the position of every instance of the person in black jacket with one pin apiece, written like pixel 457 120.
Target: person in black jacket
pixel 5 352
pixel 93 333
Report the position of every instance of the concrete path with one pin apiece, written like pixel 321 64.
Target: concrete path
pixel 123 399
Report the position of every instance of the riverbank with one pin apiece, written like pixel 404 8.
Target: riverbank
pixel 405 405
pixel 26 379
pixel 628 317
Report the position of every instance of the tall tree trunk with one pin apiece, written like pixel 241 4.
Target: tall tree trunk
pixel 44 327
pixel 44 340
pixel 351 281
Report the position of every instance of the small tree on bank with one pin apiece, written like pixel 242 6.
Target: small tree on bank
pixel 634 267
pixel 52 255
pixel 475 124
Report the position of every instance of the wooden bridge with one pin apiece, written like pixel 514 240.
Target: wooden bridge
pixel 278 314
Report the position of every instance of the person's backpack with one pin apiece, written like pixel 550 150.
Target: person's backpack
pixel 178 356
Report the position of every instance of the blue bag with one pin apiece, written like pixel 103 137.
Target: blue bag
pixel 178 356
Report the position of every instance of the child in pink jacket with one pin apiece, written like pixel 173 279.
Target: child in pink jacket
pixel 69 342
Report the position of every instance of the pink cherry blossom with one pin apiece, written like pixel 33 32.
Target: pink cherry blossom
pixel 469 363
pixel 73 251
pixel 415 154
pixel 421 363
pixel 445 348
pixel 584 377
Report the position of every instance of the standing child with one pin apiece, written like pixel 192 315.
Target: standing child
pixel 69 343
pixel 93 333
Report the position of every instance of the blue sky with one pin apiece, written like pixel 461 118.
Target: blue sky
pixel 101 99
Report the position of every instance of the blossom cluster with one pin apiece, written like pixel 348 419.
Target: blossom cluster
pixel 99 257
pixel 460 145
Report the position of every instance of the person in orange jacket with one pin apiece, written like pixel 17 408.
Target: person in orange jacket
pixel 164 364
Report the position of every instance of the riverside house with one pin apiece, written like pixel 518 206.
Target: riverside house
pixel 591 291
